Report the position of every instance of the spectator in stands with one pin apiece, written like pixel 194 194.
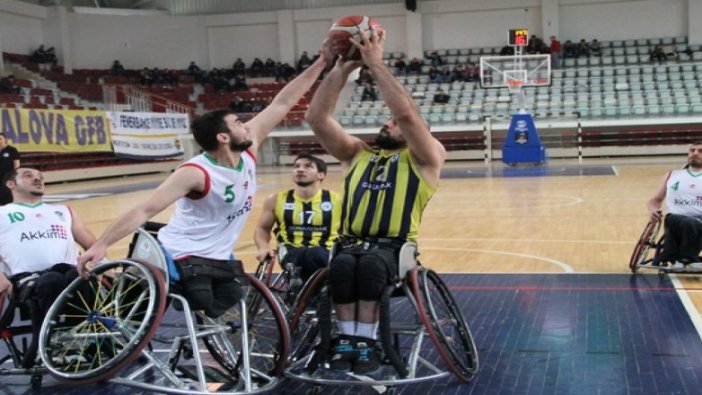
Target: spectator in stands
pixel 445 74
pixel 146 77
pixel 369 93
pixel 269 67
pixel 472 72
pixel 433 74
pixel 583 49
pixel 44 57
pixel 534 45
pixel 238 83
pixel 555 51
pixel 658 54
pixel 683 230
pixel 236 104
pixel 458 73
pixel 440 97
pixel 304 62
pixel 364 76
pixel 506 51
pixel 415 66
pixel 256 69
pixel 117 68
pixel 239 67
pixel 9 161
pixel 284 72
pixel 400 67
pixel 196 72
pixel 570 50
pixel 435 58
pixel 595 48
pixel 7 85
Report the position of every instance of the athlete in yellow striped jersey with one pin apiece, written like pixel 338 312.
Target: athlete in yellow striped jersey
pixel 385 192
pixel 306 218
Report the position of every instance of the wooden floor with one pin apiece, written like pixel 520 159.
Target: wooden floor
pixel 554 224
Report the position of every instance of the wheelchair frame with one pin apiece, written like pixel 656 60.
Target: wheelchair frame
pixel 130 298
pixel 424 291
pixel 647 247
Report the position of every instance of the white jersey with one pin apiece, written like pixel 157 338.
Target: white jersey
pixel 684 193
pixel 208 225
pixel 36 237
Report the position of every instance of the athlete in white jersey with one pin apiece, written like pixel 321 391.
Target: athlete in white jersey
pixel 682 191
pixel 213 195
pixel 36 237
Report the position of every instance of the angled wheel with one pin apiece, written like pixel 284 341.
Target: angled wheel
pixel 302 318
pixel 445 323
pixel 97 326
pixel 646 247
pixel 268 338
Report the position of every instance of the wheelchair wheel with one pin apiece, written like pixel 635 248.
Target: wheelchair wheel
pixel 97 326
pixel 303 318
pixel 646 247
pixel 268 339
pixel 264 271
pixel 445 323
pixel 22 353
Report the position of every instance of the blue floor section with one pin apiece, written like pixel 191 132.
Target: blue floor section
pixel 545 334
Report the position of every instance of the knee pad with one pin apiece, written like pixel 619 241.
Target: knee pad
pixel 373 274
pixel 342 279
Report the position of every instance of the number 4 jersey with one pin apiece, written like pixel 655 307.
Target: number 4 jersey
pixel 684 193
pixel 36 237
pixel 209 224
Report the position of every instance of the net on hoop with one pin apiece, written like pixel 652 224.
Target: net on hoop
pixel 514 86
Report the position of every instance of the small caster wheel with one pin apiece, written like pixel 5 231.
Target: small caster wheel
pixel 35 381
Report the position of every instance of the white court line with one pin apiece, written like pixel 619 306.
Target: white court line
pixel 615 170
pixel 532 240
pixel 566 267
pixel 688 304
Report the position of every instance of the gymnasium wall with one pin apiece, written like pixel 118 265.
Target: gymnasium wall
pixel 151 39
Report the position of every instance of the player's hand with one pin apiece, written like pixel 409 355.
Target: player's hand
pixel 656 216
pixel 371 46
pixel 5 284
pixel 89 258
pixel 264 253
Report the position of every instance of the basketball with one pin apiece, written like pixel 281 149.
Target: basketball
pixel 345 28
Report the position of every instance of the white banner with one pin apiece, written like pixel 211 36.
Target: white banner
pixel 148 123
pixel 165 146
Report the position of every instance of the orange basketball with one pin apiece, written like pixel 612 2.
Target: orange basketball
pixel 347 27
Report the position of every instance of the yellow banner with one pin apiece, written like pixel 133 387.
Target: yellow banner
pixel 55 130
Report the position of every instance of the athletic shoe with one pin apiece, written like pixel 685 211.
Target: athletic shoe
pixel 343 353
pixel 368 360
pixel 694 267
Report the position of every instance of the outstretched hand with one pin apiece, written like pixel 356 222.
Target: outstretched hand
pixel 88 259
pixel 370 47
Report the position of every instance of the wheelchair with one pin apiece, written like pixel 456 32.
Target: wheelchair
pixel 105 327
pixel 20 321
pixel 650 245
pixel 408 359
pixel 284 285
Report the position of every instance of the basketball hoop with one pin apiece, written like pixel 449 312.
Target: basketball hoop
pixel 514 86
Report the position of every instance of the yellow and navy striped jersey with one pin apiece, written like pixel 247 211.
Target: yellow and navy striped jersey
pixel 307 222
pixel 384 196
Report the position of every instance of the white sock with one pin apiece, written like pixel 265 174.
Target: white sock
pixel 346 327
pixel 367 330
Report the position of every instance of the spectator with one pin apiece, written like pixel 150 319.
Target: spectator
pixel 45 58
pixel 400 67
pixel 445 74
pixel 238 67
pixel 569 50
pixel 269 67
pixel 364 76
pixel 117 68
pixel 256 69
pixel 415 66
pixel 146 77
pixel 9 161
pixel 7 85
pixel 196 72
pixel 595 48
pixel 433 74
pixel 458 73
pixel 440 97
pixel 472 72
pixel 435 59
pixel 304 62
pixel 506 51
pixel 238 83
pixel 555 50
pixel 369 93
pixel 658 54
pixel 583 49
